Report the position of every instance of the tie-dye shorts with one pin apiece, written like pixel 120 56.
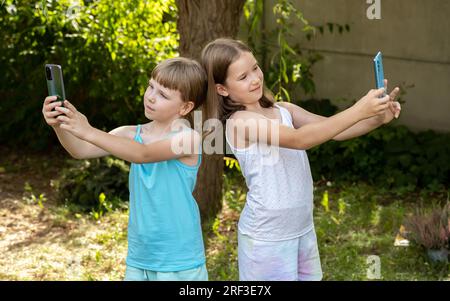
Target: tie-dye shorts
pixel 288 260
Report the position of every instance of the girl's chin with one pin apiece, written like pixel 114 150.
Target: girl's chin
pixel 257 94
pixel 256 97
pixel 149 115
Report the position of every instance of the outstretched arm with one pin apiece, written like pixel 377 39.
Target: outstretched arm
pixel 76 147
pixel 180 145
pixel 301 117
pixel 249 127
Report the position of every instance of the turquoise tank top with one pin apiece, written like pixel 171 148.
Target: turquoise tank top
pixel 164 230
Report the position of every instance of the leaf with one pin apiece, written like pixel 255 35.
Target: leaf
pixel 286 93
pixel 289 49
pixel 341 206
pixel 325 202
pixel 296 72
pixel 335 220
pixel 101 198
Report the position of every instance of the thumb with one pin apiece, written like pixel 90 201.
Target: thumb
pixel 398 109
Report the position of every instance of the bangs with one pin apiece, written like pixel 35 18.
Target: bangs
pixel 179 74
pixel 169 78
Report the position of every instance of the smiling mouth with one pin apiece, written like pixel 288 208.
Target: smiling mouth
pixel 256 89
pixel 150 109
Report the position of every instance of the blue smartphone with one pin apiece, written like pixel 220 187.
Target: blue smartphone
pixel 379 73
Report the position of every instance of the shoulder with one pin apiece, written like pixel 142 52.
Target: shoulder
pixel 127 131
pixel 249 121
pixel 188 134
pixel 245 115
pixel 189 140
pixel 287 105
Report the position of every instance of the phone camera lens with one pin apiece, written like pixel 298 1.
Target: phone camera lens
pixel 48 72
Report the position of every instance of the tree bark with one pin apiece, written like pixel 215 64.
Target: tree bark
pixel 199 22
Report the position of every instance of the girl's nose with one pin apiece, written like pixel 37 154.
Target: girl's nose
pixel 256 81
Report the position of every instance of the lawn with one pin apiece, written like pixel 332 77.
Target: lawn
pixel 354 222
pixel 41 239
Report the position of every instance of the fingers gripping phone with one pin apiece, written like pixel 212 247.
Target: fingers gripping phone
pixel 55 83
pixel 379 72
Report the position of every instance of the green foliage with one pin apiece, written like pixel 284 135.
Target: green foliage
pixel 87 184
pixel 231 163
pixel 221 234
pixel 367 227
pixel 233 192
pixel 352 222
pixel 106 48
pixel 103 206
pixel 391 156
pixel 323 107
pixel 30 197
pixel 289 65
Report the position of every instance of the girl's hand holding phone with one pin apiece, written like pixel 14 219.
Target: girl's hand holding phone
pixel 394 106
pixel 73 121
pixel 48 110
pixel 371 104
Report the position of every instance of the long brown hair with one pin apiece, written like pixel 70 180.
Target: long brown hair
pixel 216 58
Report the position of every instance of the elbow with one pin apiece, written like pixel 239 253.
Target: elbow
pixel 76 156
pixel 137 161
pixel 339 138
pixel 307 147
pixel 302 145
pixel 141 158
pixel 303 140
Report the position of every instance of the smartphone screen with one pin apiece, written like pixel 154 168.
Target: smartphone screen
pixel 55 82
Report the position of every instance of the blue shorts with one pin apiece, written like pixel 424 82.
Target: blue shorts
pixel 196 274
pixel 288 260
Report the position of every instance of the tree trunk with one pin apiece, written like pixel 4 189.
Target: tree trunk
pixel 199 22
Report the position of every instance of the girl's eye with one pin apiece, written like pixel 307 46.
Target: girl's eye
pixel 163 95
pixel 256 67
pixel 243 77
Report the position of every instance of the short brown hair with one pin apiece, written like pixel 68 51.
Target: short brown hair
pixel 184 75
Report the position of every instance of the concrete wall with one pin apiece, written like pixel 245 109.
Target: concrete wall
pixel 414 36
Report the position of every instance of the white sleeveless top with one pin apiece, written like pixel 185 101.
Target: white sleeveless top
pixel 280 198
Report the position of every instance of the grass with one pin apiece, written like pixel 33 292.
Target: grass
pixel 353 224
pixel 368 227
pixel 43 240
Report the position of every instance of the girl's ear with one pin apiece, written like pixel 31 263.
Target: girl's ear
pixel 186 108
pixel 221 90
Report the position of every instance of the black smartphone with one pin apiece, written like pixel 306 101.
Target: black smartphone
pixel 55 82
